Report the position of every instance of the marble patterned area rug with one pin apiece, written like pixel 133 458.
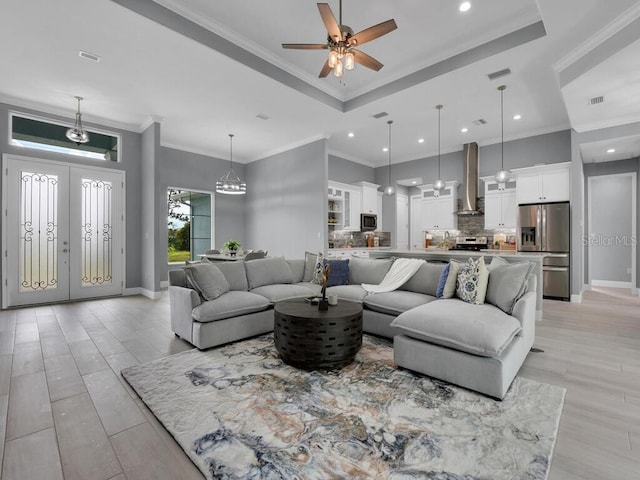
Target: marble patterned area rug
pixel 239 412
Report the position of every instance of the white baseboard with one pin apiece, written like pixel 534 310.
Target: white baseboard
pixel 610 284
pixel 164 284
pixel 143 292
pixel 577 298
pixel 635 292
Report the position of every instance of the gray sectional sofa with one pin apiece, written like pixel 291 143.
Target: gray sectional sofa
pixel 480 347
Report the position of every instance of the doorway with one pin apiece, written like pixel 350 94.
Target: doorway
pixel 62 233
pixel 611 240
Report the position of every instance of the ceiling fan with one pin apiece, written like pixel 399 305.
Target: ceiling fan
pixel 341 43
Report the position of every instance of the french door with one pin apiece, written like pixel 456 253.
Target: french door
pixel 62 232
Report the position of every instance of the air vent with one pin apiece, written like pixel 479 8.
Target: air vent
pixel 262 116
pixel 500 73
pixel 380 115
pixel 89 56
pixel 596 100
pixel 480 121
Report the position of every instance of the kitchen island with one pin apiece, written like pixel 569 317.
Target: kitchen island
pixel 442 255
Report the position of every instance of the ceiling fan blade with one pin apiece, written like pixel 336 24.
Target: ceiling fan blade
pixel 366 60
pixel 372 33
pixel 330 22
pixel 306 46
pixel 325 70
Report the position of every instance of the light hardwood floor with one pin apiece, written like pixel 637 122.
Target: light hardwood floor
pixel 70 415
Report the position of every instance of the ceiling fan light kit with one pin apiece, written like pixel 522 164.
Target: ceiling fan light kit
pixel 341 43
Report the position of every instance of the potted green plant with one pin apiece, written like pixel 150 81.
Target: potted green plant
pixel 232 246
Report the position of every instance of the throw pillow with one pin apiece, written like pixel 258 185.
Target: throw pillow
pixel 268 271
pixel 318 269
pixel 449 289
pixel 442 281
pixel 471 285
pixel 309 265
pixel 338 272
pixel 497 262
pixel 507 284
pixel 368 270
pixel 207 280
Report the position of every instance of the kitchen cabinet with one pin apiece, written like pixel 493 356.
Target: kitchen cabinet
pixel 439 207
pixel 543 183
pixel 352 201
pixel 346 206
pixel 369 198
pixel 344 253
pixel 500 204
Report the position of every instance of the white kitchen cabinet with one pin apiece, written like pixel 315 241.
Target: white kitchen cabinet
pixel 379 204
pixel 352 201
pixel 543 183
pixel 348 198
pixel 439 207
pixel 369 197
pixel 500 204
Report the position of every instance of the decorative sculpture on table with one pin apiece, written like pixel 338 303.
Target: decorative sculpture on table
pixel 323 304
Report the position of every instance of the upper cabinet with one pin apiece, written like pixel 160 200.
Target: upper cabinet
pixel 369 197
pixel 439 207
pixel 348 199
pixel 544 183
pixel 500 204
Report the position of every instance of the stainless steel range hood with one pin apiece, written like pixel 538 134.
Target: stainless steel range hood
pixel 470 180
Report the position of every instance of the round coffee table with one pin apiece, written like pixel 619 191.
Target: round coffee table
pixel 308 338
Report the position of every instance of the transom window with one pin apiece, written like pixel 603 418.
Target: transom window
pixel 32 132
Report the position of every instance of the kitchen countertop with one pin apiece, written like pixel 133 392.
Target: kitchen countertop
pixel 471 253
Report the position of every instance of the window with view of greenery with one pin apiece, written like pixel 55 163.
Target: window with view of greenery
pixel 189 224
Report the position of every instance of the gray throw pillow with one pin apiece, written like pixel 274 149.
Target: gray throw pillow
pixel 368 270
pixel 235 274
pixel 309 264
pixel 268 271
pixel 207 280
pixel 507 284
pixel 425 280
pixel 497 262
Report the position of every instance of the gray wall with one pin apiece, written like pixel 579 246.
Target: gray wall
pixel 615 269
pixel 129 153
pixel 286 211
pixel 346 171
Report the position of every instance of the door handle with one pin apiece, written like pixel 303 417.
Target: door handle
pixel 555 269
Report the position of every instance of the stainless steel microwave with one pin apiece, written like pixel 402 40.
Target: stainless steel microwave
pixel 368 222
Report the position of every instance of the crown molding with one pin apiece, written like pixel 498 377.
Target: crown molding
pixel 288 147
pixel 609 123
pixel 351 158
pixel 600 37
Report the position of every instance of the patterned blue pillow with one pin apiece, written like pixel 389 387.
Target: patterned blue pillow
pixel 442 281
pixel 338 273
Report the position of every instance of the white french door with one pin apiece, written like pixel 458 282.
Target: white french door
pixel 62 232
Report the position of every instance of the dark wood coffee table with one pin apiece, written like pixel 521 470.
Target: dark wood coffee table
pixel 308 338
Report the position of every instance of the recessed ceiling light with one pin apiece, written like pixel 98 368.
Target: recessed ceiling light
pixel 464 6
pixel 351 134
pixel 517 116
pixel 415 182
pixel 421 140
pixel 611 150
pixel 385 149
pixel 464 130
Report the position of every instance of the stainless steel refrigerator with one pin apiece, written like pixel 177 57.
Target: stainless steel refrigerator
pixel 545 228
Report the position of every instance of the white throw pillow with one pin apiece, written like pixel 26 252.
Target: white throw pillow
pixel 449 289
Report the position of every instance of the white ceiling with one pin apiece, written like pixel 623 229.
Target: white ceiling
pixel 150 72
pixel 625 147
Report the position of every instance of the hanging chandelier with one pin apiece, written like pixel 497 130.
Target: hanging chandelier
pixel 230 184
pixel 439 183
pixel 503 175
pixel 389 190
pixel 77 133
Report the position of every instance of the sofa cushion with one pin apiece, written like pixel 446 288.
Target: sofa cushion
pixel 396 302
pixel 277 292
pixel 449 289
pixel 231 304
pixel 348 292
pixel 314 287
pixel 482 330
pixel 207 280
pixel 425 280
pixel 368 270
pixel 297 269
pixel 235 274
pixel 309 264
pixel 473 278
pixel 507 283
pixel 268 271
pixel 338 272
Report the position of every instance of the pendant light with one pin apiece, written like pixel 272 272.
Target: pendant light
pixel 231 184
pixel 503 175
pixel 77 133
pixel 439 183
pixel 389 190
